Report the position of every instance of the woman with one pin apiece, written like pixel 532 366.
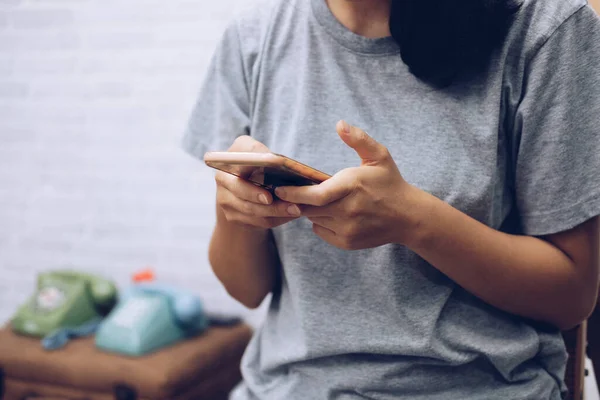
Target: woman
pixel 455 239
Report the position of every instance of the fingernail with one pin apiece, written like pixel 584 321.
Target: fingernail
pixel 280 192
pixel 263 199
pixel 294 210
pixel 345 127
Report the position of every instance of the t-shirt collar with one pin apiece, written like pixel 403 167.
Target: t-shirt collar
pixel 349 39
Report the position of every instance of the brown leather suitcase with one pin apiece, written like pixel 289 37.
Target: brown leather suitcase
pixel 205 367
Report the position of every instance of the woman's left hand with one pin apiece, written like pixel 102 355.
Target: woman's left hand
pixel 361 207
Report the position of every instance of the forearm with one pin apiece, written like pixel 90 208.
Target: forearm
pixel 244 259
pixel 522 275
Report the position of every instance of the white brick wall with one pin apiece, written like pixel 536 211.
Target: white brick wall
pixel 94 97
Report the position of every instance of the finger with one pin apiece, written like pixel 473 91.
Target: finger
pixel 246 172
pixel 328 211
pixel 264 223
pixel 279 221
pixel 368 149
pixel 247 143
pixel 325 222
pixel 333 189
pixel 243 189
pixel 277 209
pixel 240 218
pixel 326 234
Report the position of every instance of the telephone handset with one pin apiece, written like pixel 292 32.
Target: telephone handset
pixel 186 308
pixel 64 299
pixel 151 316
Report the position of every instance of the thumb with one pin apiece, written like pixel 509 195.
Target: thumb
pixel 369 150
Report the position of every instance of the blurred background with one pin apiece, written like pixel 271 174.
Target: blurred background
pixel 94 98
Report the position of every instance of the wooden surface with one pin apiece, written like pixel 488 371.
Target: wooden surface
pixel 593 333
pixel 595 4
pixel 574 377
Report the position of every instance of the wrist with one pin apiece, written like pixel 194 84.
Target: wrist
pixel 417 209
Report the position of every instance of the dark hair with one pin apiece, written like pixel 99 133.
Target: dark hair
pixel 441 39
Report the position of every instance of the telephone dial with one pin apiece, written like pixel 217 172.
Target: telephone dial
pixel 151 316
pixel 64 299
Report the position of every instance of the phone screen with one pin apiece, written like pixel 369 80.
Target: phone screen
pixel 281 177
pixel 266 177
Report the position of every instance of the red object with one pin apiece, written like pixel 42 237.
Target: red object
pixel 146 275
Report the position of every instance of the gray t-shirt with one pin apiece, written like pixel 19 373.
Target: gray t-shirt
pixel 517 148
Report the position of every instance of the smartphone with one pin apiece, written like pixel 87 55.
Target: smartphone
pixel 267 170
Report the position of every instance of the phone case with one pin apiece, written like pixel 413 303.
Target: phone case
pixel 268 170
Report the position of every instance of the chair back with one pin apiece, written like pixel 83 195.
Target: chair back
pixel 575 341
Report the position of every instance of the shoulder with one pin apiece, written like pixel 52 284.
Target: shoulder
pixel 536 21
pixel 252 17
pixel 548 14
pixel 258 24
pixel 255 21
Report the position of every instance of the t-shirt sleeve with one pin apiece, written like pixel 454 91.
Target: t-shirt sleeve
pixel 222 110
pixel 557 126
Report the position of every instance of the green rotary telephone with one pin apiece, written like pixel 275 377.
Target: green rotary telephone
pixel 64 299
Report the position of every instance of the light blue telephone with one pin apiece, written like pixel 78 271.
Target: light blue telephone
pixel 151 316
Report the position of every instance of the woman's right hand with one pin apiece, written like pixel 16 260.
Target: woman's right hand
pixel 245 203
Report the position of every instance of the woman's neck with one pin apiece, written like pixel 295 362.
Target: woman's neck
pixel 368 18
